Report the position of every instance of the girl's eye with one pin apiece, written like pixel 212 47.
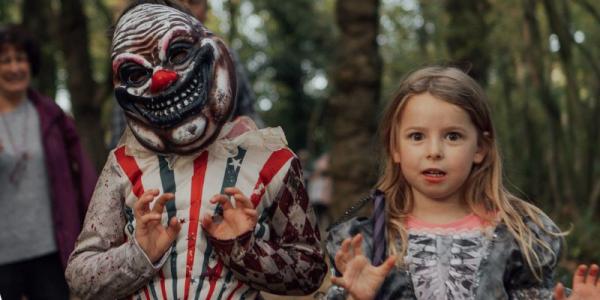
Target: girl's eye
pixel 416 136
pixel 179 52
pixel 133 74
pixel 453 136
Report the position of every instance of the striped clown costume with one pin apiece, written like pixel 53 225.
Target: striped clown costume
pixel 175 82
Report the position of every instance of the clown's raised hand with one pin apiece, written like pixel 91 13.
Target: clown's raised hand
pixel 359 278
pixel 150 233
pixel 585 285
pixel 235 220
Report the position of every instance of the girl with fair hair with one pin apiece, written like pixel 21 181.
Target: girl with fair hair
pixel 449 227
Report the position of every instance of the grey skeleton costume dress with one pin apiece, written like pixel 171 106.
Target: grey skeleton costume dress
pixel 466 264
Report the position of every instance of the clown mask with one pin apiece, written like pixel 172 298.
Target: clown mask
pixel 173 78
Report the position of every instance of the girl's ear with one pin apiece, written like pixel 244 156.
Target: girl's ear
pixel 396 156
pixel 395 152
pixel 482 150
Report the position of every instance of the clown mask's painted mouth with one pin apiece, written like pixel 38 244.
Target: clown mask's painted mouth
pixel 176 103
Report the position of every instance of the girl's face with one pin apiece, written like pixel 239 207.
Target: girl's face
pixel 437 146
pixel 15 71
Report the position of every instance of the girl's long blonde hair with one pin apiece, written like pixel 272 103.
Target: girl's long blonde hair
pixel 483 190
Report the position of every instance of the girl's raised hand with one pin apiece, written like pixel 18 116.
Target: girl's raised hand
pixel 585 285
pixel 360 278
pixel 236 220
pixel 150 234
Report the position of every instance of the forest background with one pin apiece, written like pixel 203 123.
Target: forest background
pixel 323 70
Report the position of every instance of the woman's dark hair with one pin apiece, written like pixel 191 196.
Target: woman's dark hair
pixel 170 3
pixel 17 36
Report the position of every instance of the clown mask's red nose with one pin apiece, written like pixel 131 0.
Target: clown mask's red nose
pixel 161 80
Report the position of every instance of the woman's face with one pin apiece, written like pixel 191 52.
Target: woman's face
pixel 15 71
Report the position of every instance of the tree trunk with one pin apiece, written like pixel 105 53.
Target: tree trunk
pixel 232 7
pixel 557 159
pixel 86 96
pixel 294 39
pixel 39 19
pixel 353 106
pixel 558 20
pixel 466 36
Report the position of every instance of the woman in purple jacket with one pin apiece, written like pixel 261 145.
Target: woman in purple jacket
pixel 46 181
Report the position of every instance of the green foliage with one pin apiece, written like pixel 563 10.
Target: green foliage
pixel 9 11
pixel 291 47
pixel 545 101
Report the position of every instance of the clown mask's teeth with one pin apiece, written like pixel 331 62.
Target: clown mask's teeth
pixel 170 105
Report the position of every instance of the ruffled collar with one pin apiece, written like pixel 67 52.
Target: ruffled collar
pixel 240 133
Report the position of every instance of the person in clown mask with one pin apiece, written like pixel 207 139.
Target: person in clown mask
pixel 189 205
pixel 245 98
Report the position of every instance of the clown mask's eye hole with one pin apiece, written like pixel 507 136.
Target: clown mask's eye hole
pixel 134 74
pixel 179 52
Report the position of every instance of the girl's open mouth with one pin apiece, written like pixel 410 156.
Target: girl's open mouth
pixel 434 175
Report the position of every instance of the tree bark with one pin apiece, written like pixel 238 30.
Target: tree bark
pixel 467 35
pixel 559 162
pixel 578 187
pixel 232 7
pixel 353 106
pixel 39 20
pixel 294 43
pixel 86 95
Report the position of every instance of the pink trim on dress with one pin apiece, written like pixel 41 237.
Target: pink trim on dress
pixel 469 222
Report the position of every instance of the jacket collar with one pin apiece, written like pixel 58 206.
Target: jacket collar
pixel 47 110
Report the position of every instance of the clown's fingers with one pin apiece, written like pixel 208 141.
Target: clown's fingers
pixel 160 203
pixel 252 213
pixel 149 217
pixel 208 224
pixel 242 201
pixel 173 228
pixel 232 191
pixel 223 200
pixel 142 205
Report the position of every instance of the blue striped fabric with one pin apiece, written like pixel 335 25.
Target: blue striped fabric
pixel 378 228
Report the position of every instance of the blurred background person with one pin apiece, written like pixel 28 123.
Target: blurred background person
pixel 46 180
pixel 320 188
pixel 245 99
